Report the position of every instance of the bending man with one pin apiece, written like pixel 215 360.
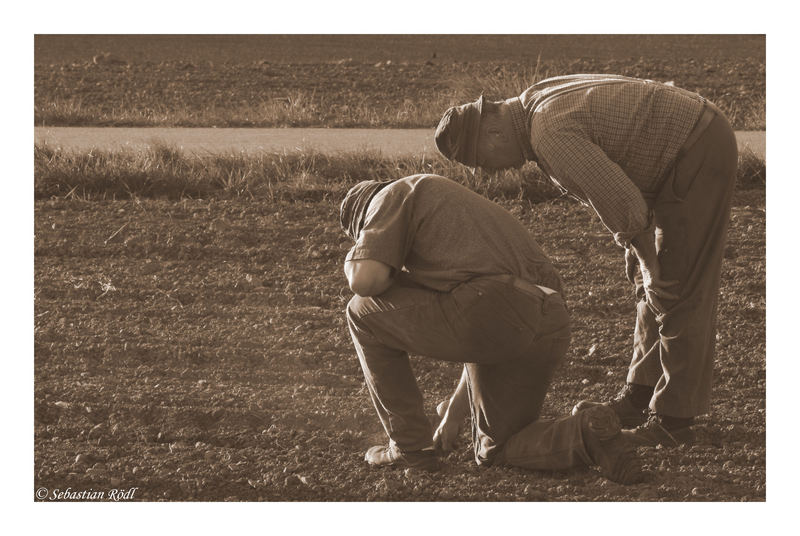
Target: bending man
pixel 657 164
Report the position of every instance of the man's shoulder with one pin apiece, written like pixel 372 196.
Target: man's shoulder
pixel 550 88
pixel 412 186
pixel 425 177
pixel 423 181
pixel 427 191
pixel 581 78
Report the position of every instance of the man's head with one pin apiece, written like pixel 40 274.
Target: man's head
pixel 354 205
pixel 457 134
pixel 480 134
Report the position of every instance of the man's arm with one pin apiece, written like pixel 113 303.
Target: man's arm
pixel 367 277
pixel 453 415
pixel 585 170
pixel 617 201
pixel 644 246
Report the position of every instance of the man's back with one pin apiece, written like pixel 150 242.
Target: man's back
pixel 444 234
pixel 639 124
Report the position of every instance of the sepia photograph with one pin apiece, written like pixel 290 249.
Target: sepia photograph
pixel 399 267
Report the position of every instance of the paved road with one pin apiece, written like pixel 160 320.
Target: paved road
pixel 256 140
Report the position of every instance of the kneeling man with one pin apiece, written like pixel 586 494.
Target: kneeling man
pixel 442 272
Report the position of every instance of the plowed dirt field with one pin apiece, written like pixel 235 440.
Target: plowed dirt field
pixel 197 350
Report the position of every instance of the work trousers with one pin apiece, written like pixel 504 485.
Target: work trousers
pixel 511 338
pixel 674 351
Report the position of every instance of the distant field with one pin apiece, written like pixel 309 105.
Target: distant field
pixel 361 81
pixel 56 49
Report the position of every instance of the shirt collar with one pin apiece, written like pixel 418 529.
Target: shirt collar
pixel 519 119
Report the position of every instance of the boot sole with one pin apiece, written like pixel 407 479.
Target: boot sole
pixel 627 421
pixel 428 464
pixel 674 439
pixel 606 433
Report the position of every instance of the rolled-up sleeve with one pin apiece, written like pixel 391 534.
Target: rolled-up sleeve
pixel 387 235
pixel 584 170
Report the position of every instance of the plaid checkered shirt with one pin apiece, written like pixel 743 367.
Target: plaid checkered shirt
pixel 607 140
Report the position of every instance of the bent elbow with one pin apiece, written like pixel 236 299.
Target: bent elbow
pixel 368 278
pixel 360 289
pixel 366 289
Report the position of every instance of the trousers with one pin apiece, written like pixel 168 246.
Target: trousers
pixel 674 352
pixel 511 341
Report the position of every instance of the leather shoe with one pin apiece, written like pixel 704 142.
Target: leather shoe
pixel 629 415
pixel 391 456
pixel 653 433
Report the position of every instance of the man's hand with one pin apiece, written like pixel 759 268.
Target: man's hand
pixel 445 438
pixel 453 412
pixel 631 262
pixel 654 287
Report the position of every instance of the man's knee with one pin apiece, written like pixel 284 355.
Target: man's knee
pixel 356 307
pixel 360 307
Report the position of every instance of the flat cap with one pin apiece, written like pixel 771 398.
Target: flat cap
pixel 457 134
pixel 355 203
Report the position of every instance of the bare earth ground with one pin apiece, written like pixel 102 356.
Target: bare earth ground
pixel 197 350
